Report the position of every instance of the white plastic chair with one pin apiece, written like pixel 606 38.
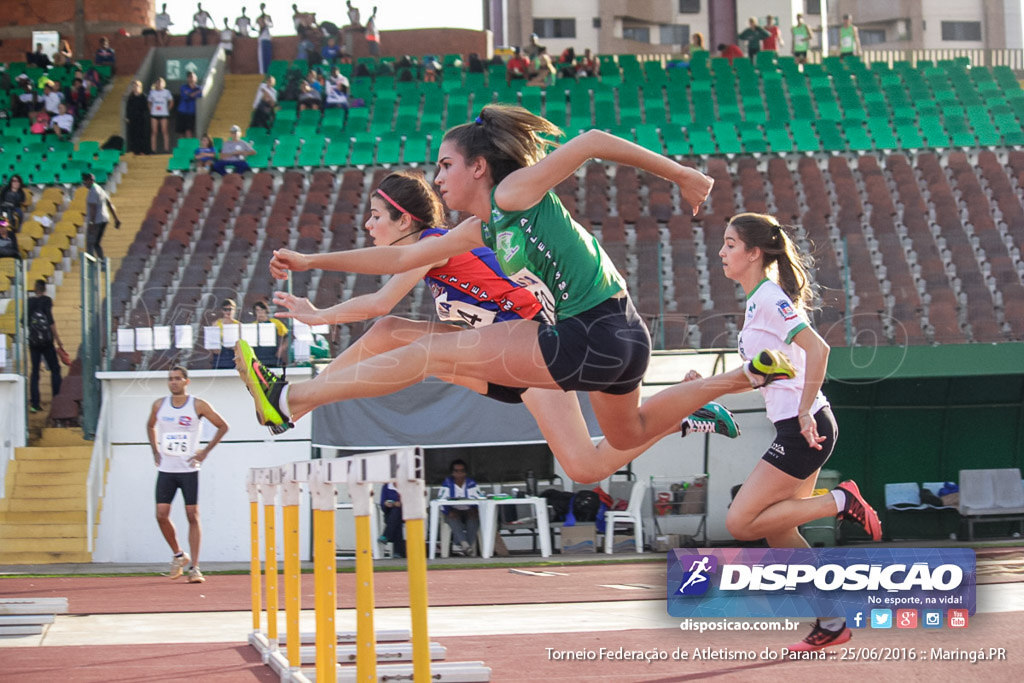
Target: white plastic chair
pixel 633 514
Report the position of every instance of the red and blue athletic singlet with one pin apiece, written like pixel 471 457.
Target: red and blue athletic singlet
pixel 472 289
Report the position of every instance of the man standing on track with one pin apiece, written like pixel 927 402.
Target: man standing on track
pixel 174 430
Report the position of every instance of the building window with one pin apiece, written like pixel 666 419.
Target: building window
pixel 961 30
pixel 813 6
pixel 689 6
pixel 675 34
pixel 871 36
pixel 554 28
pixel 641 34
pixel 597 22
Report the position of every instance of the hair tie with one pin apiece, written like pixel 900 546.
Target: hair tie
pixel 479 121
pixel 395 204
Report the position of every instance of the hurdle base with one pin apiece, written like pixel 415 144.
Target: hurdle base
pixel 448 672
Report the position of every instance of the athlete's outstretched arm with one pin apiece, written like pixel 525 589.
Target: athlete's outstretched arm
pixel 355 309
pixel 383 260
pixel 525 187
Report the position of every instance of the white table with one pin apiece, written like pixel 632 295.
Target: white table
pixel 435 519
pixel 489 522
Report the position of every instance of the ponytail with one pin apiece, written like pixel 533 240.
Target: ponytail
pixel 507 137
pixel 792 268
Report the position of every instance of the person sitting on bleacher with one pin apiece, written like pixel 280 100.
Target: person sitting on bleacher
pixel 52 98
pixel 38 58
pixel 77 97
pixel 23 100
pixel 233 153
pixel 464 520
pixel 308 97
pixel 105 53
pixel 40 123
pixel 8 240
pixel 337 95
pixel 518 68
pixel 330 52
pixel 63 123
pixel 13 200
pixel 206 153
pixel 588 67
pixel 264 107
pixel 476 65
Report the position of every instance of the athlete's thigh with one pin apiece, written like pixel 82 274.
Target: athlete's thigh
pixel 504 353
pixel 560 419
pixel 766 486
pixel 385 335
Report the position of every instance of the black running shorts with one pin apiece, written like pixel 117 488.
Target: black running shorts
pixel 790 452
pixel 606 348
pixel 500 392
pixel 167 484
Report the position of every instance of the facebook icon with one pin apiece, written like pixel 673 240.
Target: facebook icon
pixel 856 619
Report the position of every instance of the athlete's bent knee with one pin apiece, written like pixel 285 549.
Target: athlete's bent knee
pixel 740 528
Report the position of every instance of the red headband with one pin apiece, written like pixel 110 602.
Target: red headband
pixel 395 204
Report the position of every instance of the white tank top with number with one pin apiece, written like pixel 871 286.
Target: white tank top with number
pixel 177 435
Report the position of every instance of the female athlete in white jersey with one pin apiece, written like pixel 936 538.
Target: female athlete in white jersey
pixel 776 498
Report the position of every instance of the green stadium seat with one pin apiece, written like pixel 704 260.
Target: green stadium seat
pixel 554 108
pixel 415 150
pixel 457 110
pixel 648 138
pixel 363 146
pixel 778 138
pixel 831 137
pixel 285 152
pixel 804 137
pixel 261 159
pixel 701 141
pixel 727 137
pixel 909 137
pixel 389 149
pixel 881 133
pixel 312 152
pixel 337 152
pixel 752 139
pixel 856 136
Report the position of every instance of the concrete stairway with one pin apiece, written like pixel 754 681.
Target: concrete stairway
pixel 43 514
pixel 107 120
pixel 235 106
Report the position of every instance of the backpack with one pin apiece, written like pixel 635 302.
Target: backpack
pixel 585 506
pixel 40 333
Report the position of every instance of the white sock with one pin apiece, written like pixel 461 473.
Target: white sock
pixel 282 403
pixel 179 554
pixel 840 497
pixel 833 625
pixel 755 380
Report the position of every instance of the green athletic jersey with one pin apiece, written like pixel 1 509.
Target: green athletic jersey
pixel 546 251
pixel 801 38
pixel 847 40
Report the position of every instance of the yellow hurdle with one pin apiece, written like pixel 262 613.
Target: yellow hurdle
pixel 290 491
pixel 254 549
pixel 416 556
pixel 269 492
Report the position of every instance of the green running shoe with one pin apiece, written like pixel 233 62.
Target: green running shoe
pixel 767 367
pixel 265 387
pixel 713 418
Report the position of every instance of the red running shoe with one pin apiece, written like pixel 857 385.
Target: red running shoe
pixel 820 638
pixel 858 510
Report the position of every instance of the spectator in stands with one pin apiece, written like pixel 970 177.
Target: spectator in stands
pixel 533 50
pixel 264 106
pixel 337 95
pixel 227 40
pixel 233 153
pixel 24 103
pixel 517 68
pixel 391 506
pixel 753 34
pixel 339 79
pixel 849 38
pixel 13 200
pixel 303 21
pixel 330 52
pixel 694 47
pixel 63 56
pixel 52 98
pixel 588 66
pixel 729 51
pixel 77 97
pixel 464 520
pixel 309 98
pixel 8 239
pixel 206 153
pixel 353 14
pixel 188 95
pixel 431 69
pixel 63 123
pixel 306 48
pixel 40 123
pixel 42 337
pixel 202 23
pixel 567 63
pixel 225 358
pixel 161 24
pixel 98 212
pixel 160 103
pixel 271 356
pixel 774 41
pixel 137 118
pixel 105 53
pixel 545 70
pixel 373 34
pixel 476 65
pixel 801 40
pixel 266 48
pixel 38 58
pixel 243 24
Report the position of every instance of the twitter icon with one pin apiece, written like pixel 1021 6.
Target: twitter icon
pixel 881 618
